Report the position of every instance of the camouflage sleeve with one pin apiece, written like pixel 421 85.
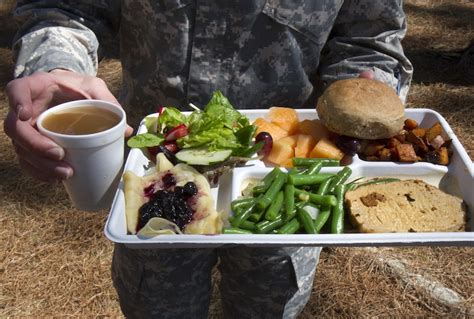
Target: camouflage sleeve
pixel 62 34
pixel 367 35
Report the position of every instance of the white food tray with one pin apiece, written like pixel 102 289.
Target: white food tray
pixel 456 179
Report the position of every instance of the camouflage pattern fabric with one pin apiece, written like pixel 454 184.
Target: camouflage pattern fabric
pixel 255 282
pixel 257 52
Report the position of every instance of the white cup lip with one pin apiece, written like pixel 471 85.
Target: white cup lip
pixel 78 103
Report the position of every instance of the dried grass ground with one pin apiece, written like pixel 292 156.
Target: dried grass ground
pixel 55 260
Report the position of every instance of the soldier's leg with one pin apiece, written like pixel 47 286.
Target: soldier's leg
pixel 163 283
pixel 266 282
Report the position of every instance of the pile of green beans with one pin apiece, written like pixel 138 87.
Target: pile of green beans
pixel 280 203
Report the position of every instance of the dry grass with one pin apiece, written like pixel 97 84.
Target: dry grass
pixel 55 260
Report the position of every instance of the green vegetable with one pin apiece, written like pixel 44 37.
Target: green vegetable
pixel 328 200
pixel 341 177
pixel 273 211
pixel 266 226
pixel 266 182
pixel 337 222
pixel 314 168
pixel 246 224
pixel 241 203
pixel 298 180
pixel 301 161
pixel 324 186
pixel 272 191
pixel 322 218
pixel 289 198
pixel 305 219
pixel 145 140
pixel 235 230
pixel 290 228
pixel 201 156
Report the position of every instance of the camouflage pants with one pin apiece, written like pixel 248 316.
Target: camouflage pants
pixel 176 283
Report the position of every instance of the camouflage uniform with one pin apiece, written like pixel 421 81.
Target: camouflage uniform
pixel 258 53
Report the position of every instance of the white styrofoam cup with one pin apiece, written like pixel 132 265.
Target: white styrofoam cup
pixel 96 159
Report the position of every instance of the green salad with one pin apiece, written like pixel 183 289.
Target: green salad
pixel 205 137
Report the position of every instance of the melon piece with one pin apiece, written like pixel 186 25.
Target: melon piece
pixel 304 145
pixel 284 117
pixel 315 128
pixel 326 149
pixel 274 130
pixel 291 140
pixel 281 153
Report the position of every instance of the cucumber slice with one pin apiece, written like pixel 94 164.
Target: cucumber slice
pixel 202 156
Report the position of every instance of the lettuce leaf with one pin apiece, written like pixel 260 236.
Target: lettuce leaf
pixel 145 140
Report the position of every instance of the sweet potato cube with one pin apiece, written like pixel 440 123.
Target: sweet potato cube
pixel 284 117
pixel 417 141
pixel 443 156
pixel 406 153
pixel 372 149
pixel 433 131
pixel 410 124
pixel 290 140
pixel 326 149
pixel 385 154
pixel 281 153
pixel 419 131
pixel 314 128
pixel 274 130
pixel 304 145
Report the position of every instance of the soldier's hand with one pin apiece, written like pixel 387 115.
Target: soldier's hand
pixel 30 96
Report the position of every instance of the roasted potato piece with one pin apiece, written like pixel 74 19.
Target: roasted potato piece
pixel 406 153
pixel 433 131
pixel 410 124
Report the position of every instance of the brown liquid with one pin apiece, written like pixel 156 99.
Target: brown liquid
pixel 81 120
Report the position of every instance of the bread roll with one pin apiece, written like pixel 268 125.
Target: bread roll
pixel 361 108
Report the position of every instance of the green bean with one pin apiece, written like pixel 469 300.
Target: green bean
pixel 238 219
pixel 305 219
pixel 272 191
pixel 241 203
pixel 235 230
pixel 322 218
pixel 273 211
pixel 266 226
pixel 328 200
pixel 246 224
pixel 256 216
pixel 290 227
pixel 324 186
pixel 314 168
pixel 337 222
pixel 266 182
pixel 298 180
pixel 289 198
pixel 340 178
pixel 300 161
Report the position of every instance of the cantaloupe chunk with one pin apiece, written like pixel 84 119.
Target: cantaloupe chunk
pixel 281 153
pixel 290 140
pixel 314 128
pixel 274 130
pixel 326 149
pixel 304 145
pixel 284 117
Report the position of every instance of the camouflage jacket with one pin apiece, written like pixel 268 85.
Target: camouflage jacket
pixel 257 52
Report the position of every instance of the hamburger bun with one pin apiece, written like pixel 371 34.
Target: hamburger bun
pixel 361 108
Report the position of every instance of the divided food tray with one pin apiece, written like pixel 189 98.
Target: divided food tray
pixel 456 179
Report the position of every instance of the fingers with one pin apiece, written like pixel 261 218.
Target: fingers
pixel 55 173
pixel 37 154
pixel 30 95
pixel 367 75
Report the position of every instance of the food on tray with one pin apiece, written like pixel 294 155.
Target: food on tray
pixel 173 199
pixel 294 138
pixel 211 140
pixel 361 108
pixel 412 144
pixel 369 119
pixel 300 201
pixel 404 206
